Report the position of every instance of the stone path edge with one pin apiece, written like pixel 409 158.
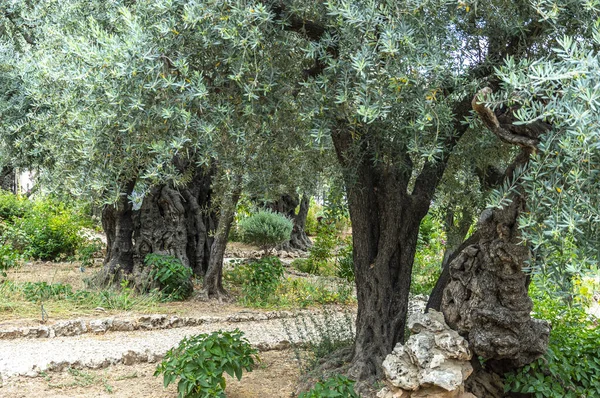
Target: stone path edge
pixel 76 327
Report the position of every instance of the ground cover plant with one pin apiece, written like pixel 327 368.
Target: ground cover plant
pixel 41 299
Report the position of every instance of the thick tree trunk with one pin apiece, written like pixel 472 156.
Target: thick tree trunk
pixel 286 205
pixel 385 226
pixel 213 280
pixel 487 296
pixel 177 222
pixel 117 222
pixel 487 299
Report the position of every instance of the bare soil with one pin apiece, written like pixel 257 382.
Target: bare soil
pixel 275 376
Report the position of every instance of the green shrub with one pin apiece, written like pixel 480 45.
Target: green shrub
pixel 336 386
pixel 322 252
pixel 345 261
pixel 263 278
pixel 9 258
pixel 172 276
pixel 13 206
pixel 266 229
pixel 200 361
pixel 315 211
pixel 571 366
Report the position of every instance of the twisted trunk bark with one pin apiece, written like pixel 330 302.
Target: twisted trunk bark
pixel 286 205
pixel 385 226
pixel 117 222
pixel 213 280
pixel 177 222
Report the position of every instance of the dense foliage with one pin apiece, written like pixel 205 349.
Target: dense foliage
pixel 335 387
pixel 173 278
pixel 266 229
pixel 200 361
pixel 571 366
pixel 43 228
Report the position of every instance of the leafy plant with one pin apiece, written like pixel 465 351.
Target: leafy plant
pixel 336 386
pixel 263 278
pixel 200 361
pixel 42 291
pixel 571 366
pixel 266 229
pixel 172 276
pixel 13 206
pixel 323 249
pixel 9 258
pixel 345 261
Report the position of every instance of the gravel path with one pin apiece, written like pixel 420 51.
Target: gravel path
pixel 31 356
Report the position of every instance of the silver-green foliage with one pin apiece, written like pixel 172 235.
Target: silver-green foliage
pixel 266 229
pixel 562 221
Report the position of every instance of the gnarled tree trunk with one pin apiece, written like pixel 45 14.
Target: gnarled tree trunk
pixel 7 179
pixel 286 205
pixel 177 222
pixel 117 222
pixel 486 298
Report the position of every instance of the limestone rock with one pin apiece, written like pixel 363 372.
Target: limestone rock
pixel 434 362
pixel 70 328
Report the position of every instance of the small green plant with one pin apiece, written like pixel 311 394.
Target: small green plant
pixel 322 252
pixel 172 276
pixel 336 386
pixel 42 291
pixel 9 258
pixel 266 229
pixel 263 278
pixel 86 251
pixel 344 266
pixel 200 361
pixel 571 366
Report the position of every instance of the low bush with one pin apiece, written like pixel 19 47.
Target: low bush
pixel 274 291
pixel 336 386
pixel 44 228
pixel 266 229
pixel 200 361
pixel 262 280
pixel 13 206
pixel 571 366
pixel 173 278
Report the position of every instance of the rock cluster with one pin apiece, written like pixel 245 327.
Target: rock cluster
pixel 434 362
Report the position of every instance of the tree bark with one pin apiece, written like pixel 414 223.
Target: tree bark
pixel 117 222
pixel 7 179
pixel 177 222
pixel 487 298
pixel 213 279
pixel 286 205
pixel 385 226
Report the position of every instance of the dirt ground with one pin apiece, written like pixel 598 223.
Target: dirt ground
pixel 275 376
